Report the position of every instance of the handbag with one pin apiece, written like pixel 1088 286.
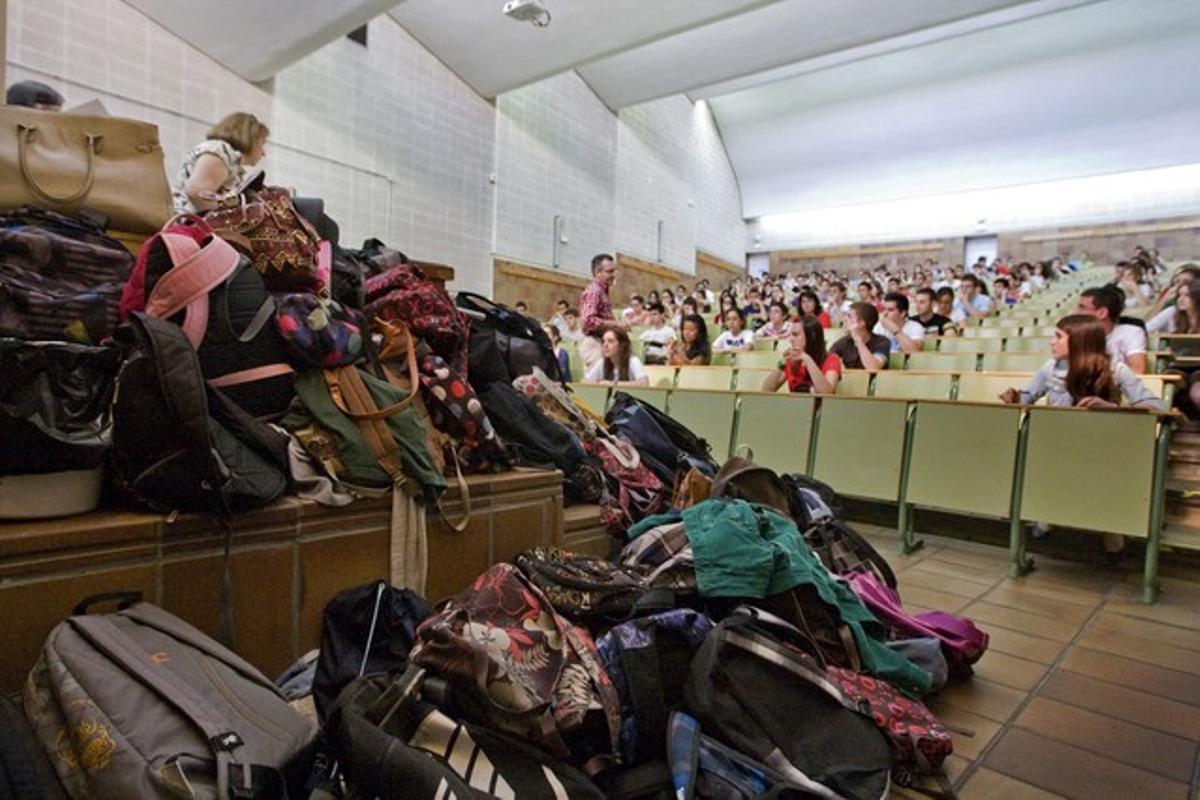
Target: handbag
pixel 282 244
pixel 69 162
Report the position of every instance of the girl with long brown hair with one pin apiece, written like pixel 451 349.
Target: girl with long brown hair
pixel 1081 372
pixel 618 365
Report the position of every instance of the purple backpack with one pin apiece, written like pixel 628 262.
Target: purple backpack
pixel 962 643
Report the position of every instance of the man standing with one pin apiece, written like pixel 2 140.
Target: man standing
pixel 903 334
pixel 1126 343
pixel 596 309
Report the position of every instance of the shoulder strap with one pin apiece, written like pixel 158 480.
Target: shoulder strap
pixel 181 381
pixel 353 398
pixel 196 271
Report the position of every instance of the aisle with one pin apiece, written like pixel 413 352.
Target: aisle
pixel 1083 693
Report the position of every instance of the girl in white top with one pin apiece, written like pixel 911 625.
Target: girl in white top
pixel 1183 317
pixel 618 364
pixel 215 167
pixel 736 337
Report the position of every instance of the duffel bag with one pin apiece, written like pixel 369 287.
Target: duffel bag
pixel 141 704
pixel 61 277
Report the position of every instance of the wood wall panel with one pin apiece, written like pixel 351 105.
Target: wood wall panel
pixel 288 560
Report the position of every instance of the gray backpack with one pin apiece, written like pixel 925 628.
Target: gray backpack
pixel 141 704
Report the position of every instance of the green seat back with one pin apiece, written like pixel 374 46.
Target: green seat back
pixel 977 479
pixel 705 378
pixel 1014 362
pixel 1029 344
pixel 709 415
pixel 594 395
pixel 942 362
pixel 767 345
pixel 986 387
pixel 994 329
pixel 897 360
pixel 777 428
pixel 860 446
pixel 656 397
pixel 854 383
pixel 914 385
pixel 976 345
pixel 1090 469
pixel 750 379
pixel 661 376
pixel 757 358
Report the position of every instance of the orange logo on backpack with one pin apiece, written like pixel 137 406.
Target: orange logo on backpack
pixel 160 657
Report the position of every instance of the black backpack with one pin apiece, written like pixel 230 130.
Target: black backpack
pixel 25 771
pixel 505 344
pixel 397 739
pixel 538 440
pixel 369 628
pixel 667 441
pixel 179 444
pixel 752 687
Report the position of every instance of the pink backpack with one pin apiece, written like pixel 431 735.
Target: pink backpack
pixel 962 643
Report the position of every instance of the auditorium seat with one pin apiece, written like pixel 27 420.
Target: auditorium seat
pixel 914 385
pixel 854 383
pixel 708 414
pixel 943 362
pixel 860 446
pixel 705 378
pixel 777 428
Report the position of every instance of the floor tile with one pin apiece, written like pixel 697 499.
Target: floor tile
pixel 935 567
pixel 963 587
pixel 1015 643
pixel 1125 703
pixel 1075 773
pixel 1023 621
pixel 982 730
pixel 1148 629
pixel 977 570
pixel 982 697
pixel 1168 683
pixel 1140 649
pixel 931 598
pixel 1025 600
pixel 1169 610
pixel 988 785
pixel 1006 670
pixel 1170 756
pixel 1033 584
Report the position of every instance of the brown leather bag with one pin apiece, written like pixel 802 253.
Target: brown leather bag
pixel 69 162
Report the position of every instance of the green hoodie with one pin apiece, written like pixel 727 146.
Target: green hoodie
pixel 752 551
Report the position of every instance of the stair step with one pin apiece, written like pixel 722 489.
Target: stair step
pixel 1181 537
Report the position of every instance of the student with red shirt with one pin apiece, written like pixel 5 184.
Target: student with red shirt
pixel 806 366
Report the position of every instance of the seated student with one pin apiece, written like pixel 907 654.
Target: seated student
pixel 806 366
pixel 1161 315
pixel 560 352
pixel 810 305
pixel 571 330
pixel 862 349
pixel 692 348
pixel 214 169
pixel 1081 373
pixel 728 303
pixel 659 337
pixel 1002 288
pixel 972 301
pixel 903 334
pixel 755 311
pixel 1126 341
pixel 1185 315
pixel 736 338
pixel 618 364
pixel 521 308
pixel 559 318
pixel 943 304
pixel 686 309
pixel 933 323
pixel 777 326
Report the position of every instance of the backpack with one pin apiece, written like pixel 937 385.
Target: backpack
pixel 514 663
pixel 920 744
pixel 650 429
pixel 664 554
pixel 369 628
pixel 62 277
pixel 637 492
pixel 588 590
pixel 180 444
pixel 25 771
pixel 844 551
pixel 753 688
pixel 962 643
pixel 537 440
pixel 401 291
pixel 199 281
pixel 741 479
pixel 395 744
pixel 806 491
pixel 141 704
pixel 645 659
pixel 504 343
pixel 266 227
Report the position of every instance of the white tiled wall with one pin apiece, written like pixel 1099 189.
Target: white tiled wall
pixel 401 149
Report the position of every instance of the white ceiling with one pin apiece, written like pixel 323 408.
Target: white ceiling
pixel 257 38
pixel 1100 88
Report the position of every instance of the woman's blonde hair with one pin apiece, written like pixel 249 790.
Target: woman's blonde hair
pixel 241 130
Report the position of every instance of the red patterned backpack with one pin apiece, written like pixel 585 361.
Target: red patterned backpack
pixel 514 663
pixel 638 491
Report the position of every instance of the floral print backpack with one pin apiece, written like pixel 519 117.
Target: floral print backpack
pixel 514 663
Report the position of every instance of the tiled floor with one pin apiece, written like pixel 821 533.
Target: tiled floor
pixel 1084 691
